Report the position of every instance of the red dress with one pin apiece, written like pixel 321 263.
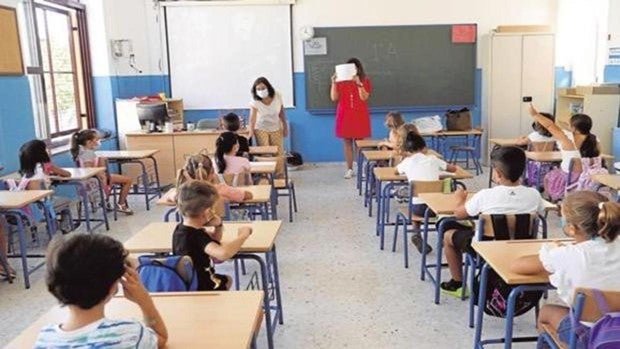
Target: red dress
pixel 352 116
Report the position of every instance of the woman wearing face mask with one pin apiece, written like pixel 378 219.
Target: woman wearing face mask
pixel 352 116
pixel 267 118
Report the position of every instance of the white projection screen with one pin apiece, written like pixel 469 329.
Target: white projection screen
pixel 216 53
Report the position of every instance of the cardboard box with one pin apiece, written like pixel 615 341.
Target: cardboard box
pixel 598 90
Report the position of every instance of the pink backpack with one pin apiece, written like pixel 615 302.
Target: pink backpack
pixel 589 168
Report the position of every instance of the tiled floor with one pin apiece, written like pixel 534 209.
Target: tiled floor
pixel 339 290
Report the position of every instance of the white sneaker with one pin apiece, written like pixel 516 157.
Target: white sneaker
pixel 348 174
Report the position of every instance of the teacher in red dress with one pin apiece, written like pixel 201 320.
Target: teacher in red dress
pixel 352 116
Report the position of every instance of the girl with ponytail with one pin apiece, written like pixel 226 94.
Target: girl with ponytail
pixel 226 159
pixel 576 144
pixel 199 167
pixel 83 146
pixel 591 261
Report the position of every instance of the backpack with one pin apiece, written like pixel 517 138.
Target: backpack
pixel 167 274
pixel 605 333
pixel 589 168
pixel 294 159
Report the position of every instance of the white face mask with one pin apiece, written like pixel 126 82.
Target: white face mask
pixel 262 93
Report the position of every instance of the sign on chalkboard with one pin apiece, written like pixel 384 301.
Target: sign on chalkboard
pixel 315 47
pixel 463 33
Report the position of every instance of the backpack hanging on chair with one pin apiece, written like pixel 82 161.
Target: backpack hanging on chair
pixel 167 274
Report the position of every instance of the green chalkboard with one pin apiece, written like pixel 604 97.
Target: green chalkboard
pixel 409 66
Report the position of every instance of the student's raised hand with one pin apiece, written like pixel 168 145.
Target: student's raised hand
pixel 244 232
pixel 133 288
pixel 533 110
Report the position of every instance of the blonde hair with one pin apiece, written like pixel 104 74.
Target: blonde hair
pixel 397 119
pixel 195 197
pixel 197 167
pixel 402 133
pixel 593 214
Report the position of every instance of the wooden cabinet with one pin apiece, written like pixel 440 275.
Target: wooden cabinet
pixel 603 108
pixel 174 149
pixel 521 66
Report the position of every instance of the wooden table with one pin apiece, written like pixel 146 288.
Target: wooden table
pixel 438 139
pixel 363 144
pixel 609 180
pixel 503 142
pixel 499 255
pixel 157 238
pixel 264 150
pixel 267 168
pixel 150 189
pixel 222 320
pixel 78 178
pixel 552 156
pixel 11 204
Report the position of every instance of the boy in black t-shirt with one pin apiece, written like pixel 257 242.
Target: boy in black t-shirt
pixel 200 234
pixel 232 123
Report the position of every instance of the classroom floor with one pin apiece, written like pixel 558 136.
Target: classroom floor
pixel 339 290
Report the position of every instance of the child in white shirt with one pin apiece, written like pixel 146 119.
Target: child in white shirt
pixel 420 167
pixel 592 261
pixel 540 134
pixel 508 197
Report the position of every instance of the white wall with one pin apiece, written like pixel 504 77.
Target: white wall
pixel 488 14
pixel 134 20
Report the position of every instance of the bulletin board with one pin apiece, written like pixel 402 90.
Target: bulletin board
pixel 10 49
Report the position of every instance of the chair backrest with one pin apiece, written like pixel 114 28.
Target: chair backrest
pixel 419 187
pixel 204 124
pixel 541 146
pixel 508 226
pixel 591 311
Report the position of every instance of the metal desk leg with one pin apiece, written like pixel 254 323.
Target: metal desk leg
pixel 359 164
pixel 21 233
pixel 103 208
pixel 156 169
pixel 276 280
pixel 482 295
pixel 274 198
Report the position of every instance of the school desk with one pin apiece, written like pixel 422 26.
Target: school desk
pixel 363 144
pixel 157 238
pixel 264 150
pixel 439 139
pixel 267 168
pixel 498 255
pixel 609 180
pixel 11 204
pixel 146 186
pixel 392 180
pixel 222 320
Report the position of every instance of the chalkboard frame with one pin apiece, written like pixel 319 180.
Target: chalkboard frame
pixel 406 108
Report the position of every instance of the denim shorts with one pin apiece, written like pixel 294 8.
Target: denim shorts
pixel 565 330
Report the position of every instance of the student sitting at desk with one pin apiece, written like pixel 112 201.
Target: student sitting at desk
pixel 393 120
pixel 232 123
pixel 508 197
pixel 200 235
pixel 420 167
pixel 83 145
pixel 540 134
pixel 200 167
pixel 592 261
pixel 227 161
pixel 35 166
pixel 84 272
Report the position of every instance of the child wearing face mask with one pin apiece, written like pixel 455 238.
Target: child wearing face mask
pixel 393 120
pixel 592 261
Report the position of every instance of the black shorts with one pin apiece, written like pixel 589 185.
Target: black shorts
pixel 420 209
pixel 463 236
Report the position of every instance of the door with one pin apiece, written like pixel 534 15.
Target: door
pixel 504 97
pixel 538 76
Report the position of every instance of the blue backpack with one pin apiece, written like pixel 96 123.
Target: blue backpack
pixel 605 334
pixel 167 274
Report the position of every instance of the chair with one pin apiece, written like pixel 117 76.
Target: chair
pixel 497 227
pixel 469 151
pixel 532 167
pixel 585 308
pixel 541 146
pixel 406 217
pixel 208 124
pixel 283 184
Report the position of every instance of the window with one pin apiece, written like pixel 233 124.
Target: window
pixel 57 66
